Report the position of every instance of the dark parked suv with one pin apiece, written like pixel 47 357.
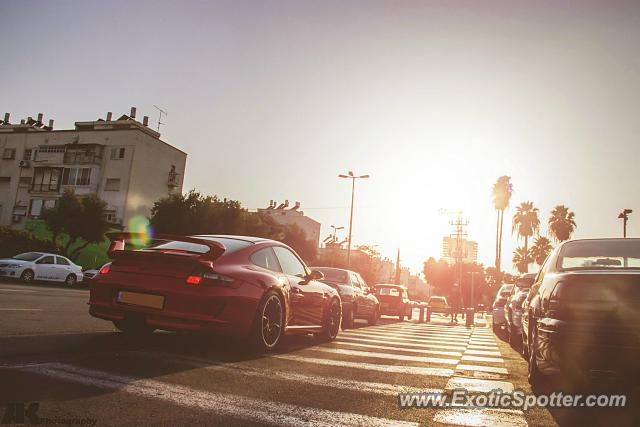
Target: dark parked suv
pixel 358 302
pixel 582 316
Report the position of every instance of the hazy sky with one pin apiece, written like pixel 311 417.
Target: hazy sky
pixel 272 99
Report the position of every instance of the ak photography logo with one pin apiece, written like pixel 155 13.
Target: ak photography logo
pixel 20 413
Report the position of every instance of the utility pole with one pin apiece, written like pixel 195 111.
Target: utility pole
pixel 624 216
pixel 353 178
pixel 459 233
pixel 397 280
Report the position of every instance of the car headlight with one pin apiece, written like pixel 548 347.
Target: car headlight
pixel 13 266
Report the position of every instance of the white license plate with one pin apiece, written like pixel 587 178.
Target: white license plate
pixel 142 300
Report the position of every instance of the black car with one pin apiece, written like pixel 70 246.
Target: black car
pixel 358 302
pixel 581 318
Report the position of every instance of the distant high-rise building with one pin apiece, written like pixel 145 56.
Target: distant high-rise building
pixel 453 249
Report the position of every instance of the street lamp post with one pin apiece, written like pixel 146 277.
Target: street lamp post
pixel 624 216
pixel 353 178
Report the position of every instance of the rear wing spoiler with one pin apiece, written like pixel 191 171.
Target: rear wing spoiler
pixel 118 243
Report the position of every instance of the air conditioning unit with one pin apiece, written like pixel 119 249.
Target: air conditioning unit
pixel 24 164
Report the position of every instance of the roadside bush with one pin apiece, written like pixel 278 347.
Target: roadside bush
pixel 13 242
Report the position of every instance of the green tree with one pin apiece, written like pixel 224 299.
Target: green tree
pixel 561 223
pixel 540 249
pixel 82 219
pixel 527 224
pixel 501 195
pixel 521 260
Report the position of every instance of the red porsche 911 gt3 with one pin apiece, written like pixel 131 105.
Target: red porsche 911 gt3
pixel 238 286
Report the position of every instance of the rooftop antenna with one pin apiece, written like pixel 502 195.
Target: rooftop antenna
pixel 160 113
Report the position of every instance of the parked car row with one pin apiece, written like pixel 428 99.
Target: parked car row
pixel 245 287
pixel 579 318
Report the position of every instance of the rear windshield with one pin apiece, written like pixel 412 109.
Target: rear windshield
pixel 600 255
pixel 505 290
pixel 333 275
pixel 180 247
pixel 525 282
pixel 232 245
pixel 393 292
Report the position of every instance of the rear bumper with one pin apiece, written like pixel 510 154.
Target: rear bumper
pixel 591 353
pixel 224 311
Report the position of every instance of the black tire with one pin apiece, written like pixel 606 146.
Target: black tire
pixel 71 280
pixel 513 337
pixel 401 317
pixel 525 348
pixel 27 276
pixel 268 325
pixel 133 328
pixel 410 315
pixel 535 377
pixel 496 328
pixel 348 318
pixel 331 322
pixel 375 316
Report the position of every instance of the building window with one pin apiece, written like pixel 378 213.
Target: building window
pixel 46 179
pixel 112 184
pixel 25 180
pixel 52 148
pixel 27 154
pixel 117 153
pixel 9 154
pixel 76 176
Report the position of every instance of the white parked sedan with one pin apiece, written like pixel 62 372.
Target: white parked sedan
pixel 32 266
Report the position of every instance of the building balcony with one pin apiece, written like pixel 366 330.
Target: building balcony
pixel 82 158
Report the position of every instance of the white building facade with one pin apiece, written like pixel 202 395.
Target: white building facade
pixel 122 161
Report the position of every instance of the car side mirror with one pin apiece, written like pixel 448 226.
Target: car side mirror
pixel 315 275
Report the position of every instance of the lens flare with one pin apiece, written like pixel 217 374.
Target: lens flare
pixel 140 225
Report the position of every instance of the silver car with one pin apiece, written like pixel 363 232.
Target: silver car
pixel 498 318
pixel 32 266
pixel 513 307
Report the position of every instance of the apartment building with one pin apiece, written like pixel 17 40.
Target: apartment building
pixel 122 161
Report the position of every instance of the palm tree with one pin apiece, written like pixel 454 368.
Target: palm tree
pixel 527 224
pixel 540 249
pixel 501 195
pixel 521 260
pixel 562 223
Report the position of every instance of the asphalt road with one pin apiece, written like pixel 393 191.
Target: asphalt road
pixel 80 370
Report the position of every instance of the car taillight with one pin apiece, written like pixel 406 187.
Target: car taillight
pixel 209 278
pixel 194 280
pixel 105 269
pixel 555 306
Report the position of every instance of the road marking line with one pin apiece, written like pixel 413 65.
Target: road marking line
pixel 16 290
pixel 433 338
pixel 478 385
pixel 316 380
pixel 480 417
pixel 341 341
pixel 243 407
pixel 483 353
pixel 386 356
pixel 401 341
pixel 20 309
pixel 493 369
pixel 483 359
pixel 397 369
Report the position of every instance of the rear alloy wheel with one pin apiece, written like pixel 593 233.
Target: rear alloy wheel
pixel 331 322
pixel 269 323
pixel 375 315
pixel 348 318
pixel 27 276
pixel 71 280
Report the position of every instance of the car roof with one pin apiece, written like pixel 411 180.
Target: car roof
pixel 334 269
